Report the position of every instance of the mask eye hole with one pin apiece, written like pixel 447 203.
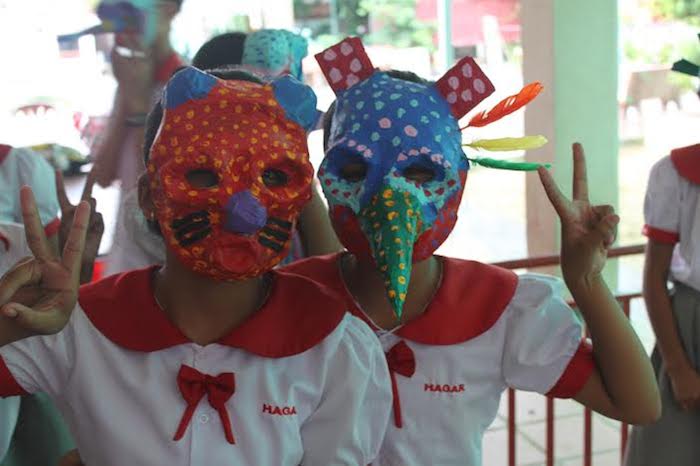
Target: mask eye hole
pixel 202 178
pixel 354 171
pixel 419 173
pixel 274 178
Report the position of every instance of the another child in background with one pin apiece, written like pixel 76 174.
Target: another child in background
pixel 20 167
pixel 672 226
pixel 272 352
pixel 34 419
pixel 140 78
pixel 457 333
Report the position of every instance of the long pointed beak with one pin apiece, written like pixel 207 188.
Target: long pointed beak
pixel 391 222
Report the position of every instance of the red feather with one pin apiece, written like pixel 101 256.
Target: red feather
pixel 506 106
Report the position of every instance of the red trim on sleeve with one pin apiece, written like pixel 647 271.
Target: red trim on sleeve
pixel 661 236
pixel 576 374
pixel 52 227
pixel 4 151
pixel 687 162
pixel 8 384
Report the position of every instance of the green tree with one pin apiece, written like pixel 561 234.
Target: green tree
pixel 394 22
pixel 686 10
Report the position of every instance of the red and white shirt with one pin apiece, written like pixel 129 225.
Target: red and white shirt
pixel 22 166
pixel 13 247
pixel 672 211
pixel 301 382
pixel 485 330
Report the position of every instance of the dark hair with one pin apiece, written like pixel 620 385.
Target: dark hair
pixel 222 50
pixel 398 74
pixel 156 116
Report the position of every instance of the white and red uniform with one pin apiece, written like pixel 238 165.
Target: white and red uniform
pixel 485 330
pixel 672 211
pixel 300 382
pixel 22 166
pixel 13 247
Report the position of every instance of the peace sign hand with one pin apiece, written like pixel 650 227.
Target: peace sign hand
pixel 587 231
pixel 95 228
pixel 39 293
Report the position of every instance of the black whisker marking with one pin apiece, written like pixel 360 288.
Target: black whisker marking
pixel 270 244
pixel 187 219
pixel 278 222
pixel 278 235
pixel 197 236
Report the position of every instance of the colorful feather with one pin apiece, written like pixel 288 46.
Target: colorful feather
pixel 506 106
pixel 506 165
pixel 508 144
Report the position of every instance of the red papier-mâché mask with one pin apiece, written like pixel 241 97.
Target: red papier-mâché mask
pixel 230 172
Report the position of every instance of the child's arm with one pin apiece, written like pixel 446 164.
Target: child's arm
pixel 685 380
pixel 134 92
pixel 38 294
pixel 622 385
pixel 315 227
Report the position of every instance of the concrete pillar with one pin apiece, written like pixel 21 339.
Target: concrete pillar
pixel 571 47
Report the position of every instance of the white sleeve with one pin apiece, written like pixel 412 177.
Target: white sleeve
pixel 38 364
pixel 348 426
pixel 542 334
pixel 37 173
pixel 9 409
pixel 662 204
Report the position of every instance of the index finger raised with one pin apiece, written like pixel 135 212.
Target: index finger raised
pixel 580 184
pixel 75 243
pixel 33 230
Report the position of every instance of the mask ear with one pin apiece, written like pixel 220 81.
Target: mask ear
pixel 298 101
pixel 188 84
pixel 345 64
pixel 464 87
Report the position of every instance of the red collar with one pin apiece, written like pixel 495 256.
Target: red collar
pixel 5 241
pixel 687 162
pixel 166 69
pixel 123 309
pixel 4 151
pixel 469 301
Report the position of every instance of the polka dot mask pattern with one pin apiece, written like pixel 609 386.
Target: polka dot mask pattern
pixel 230 171
pixel 394 169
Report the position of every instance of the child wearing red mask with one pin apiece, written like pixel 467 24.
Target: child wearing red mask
pixel 206 360
pixel 457 333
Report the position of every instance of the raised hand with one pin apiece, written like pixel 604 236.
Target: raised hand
pixel 95 228
pixel 587 231
pixel 39 293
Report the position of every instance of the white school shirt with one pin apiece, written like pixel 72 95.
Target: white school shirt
pixel 672 211
pixel 13 247
pixel 23 166
pixel 485 330
pixel 310 382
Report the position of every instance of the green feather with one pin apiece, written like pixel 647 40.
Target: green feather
pixel 505 165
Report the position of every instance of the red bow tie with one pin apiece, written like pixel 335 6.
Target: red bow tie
pixel 194 385
pixel 402 361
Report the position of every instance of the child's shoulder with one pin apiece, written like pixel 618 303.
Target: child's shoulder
pixel 686 161
pixel 299 313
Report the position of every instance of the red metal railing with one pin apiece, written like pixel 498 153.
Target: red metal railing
pixel 624 299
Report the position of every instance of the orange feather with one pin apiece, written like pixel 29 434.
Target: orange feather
pixel 506 106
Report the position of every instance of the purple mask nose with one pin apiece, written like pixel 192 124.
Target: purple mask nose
pixel 244 214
